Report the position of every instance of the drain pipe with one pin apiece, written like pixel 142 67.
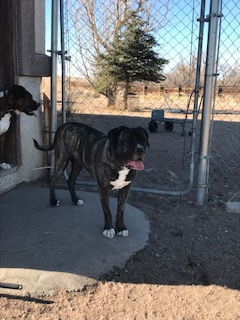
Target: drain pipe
pixel 210 74
pixel 54 55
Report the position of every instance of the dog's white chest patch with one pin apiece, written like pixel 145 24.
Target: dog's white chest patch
pixel 120 182
pixel 5 123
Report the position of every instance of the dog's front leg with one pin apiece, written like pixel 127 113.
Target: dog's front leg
pixel 108 231
pixel 122 197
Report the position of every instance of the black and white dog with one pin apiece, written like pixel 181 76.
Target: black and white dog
pixel 15 100
pixel 112 159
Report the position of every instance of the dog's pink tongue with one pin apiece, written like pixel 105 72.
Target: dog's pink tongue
pixel 136 165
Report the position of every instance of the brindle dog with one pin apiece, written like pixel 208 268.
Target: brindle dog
pixel 112 159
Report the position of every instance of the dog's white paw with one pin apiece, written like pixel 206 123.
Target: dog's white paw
pixel 80 202
pixel 109 233
pixel 58 204
pixel 123 233
pixel 5 166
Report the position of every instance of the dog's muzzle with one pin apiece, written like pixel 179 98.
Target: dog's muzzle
pixel 137 162
pixel 29 110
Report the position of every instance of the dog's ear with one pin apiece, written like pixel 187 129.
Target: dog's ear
pixel 143 133
pixel 114 134
pixel 17 91
pixel 17 96
pixel 14 94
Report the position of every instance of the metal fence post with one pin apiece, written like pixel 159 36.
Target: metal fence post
pixel 210 74
pixel 54 55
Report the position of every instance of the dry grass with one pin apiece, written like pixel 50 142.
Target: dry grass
pixel 83 100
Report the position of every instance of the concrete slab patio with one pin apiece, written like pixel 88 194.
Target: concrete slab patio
pixel 47 249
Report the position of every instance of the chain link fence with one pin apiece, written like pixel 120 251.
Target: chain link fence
pixel 225 144
pixel 90 27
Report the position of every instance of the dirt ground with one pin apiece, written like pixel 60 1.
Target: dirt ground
pixel 190 266
pixel 188 270
pixel 114 301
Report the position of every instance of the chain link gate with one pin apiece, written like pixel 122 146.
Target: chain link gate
pixel 167 162
pixel 175 26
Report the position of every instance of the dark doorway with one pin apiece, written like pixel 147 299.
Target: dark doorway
pixel 8 74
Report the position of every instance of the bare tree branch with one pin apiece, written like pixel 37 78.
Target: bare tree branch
pixel 96 23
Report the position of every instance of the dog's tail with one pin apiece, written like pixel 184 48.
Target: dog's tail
pixel 43 148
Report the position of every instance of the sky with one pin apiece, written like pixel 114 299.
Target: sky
pixel 178 37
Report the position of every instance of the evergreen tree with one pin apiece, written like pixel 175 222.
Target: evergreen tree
pixel 130 58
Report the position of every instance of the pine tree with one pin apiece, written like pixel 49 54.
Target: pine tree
pixel 131 58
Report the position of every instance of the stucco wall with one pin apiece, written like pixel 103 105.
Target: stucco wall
pixel 39 9
pixel 31 39
pixel 30 127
